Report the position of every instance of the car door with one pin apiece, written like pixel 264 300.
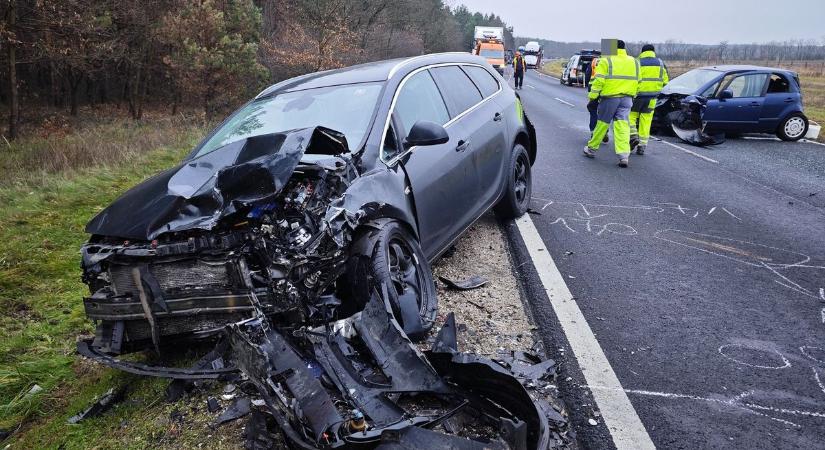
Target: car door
pixel 483 125
pixel 438 174
pixel 781 99
pixel 742 111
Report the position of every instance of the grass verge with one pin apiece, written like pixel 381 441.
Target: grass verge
pixel 42 381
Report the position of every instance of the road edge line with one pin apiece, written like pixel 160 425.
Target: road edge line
pixel 619 415
pixel 691 152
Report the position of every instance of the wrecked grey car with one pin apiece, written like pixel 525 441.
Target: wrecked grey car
pixel 307 197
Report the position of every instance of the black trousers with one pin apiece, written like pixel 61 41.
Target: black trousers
pixel 519 78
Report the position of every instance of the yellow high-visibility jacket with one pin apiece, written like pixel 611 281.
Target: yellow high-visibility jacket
pixel 652 73
pixel 616 76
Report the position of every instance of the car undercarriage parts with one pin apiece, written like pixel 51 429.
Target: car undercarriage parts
pixel 688 125
pixel 473 282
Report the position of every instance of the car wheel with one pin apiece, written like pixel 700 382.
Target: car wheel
pixel 518 185
pixel 396 261
pixel 793 128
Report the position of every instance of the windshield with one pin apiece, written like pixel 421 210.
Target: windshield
pixel 490 53
pixel 346 109
pixel 690 82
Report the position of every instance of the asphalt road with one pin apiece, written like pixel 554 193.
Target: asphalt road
pixel 701 272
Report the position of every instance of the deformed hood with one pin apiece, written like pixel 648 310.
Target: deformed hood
pixel 199 192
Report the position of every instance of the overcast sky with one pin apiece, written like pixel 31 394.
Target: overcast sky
pixel 697 21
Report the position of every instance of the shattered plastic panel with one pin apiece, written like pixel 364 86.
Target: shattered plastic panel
pixel 688 125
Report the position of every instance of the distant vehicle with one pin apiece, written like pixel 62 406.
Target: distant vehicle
pixel 532 55
pixel 573 72
pixel 489 44
pixel 740 99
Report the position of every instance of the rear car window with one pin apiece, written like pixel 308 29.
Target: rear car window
pixel 459 92
pixel 484 81
pixel 778 84
pixel 419 99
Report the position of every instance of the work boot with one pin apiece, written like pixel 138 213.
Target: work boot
pixel 589 152
pixel 624 160
pixel 640 150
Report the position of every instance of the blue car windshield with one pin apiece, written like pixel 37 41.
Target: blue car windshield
pixel 346 109
pixel 690 82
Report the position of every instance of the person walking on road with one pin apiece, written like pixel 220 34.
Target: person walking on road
pixel 615 85
pixel 653 77
pixel 519 67
pixel 593 105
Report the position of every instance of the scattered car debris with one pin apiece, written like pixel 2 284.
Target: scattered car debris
pixel 212 405
pixel 239 408
pixel 687 122
pixel 100 405
pixel 474 282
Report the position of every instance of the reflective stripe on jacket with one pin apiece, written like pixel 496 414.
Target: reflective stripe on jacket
pixel 653 75
pixel 616 76
pixel 518 64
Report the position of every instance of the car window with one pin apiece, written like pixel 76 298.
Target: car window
pixel 483 80
pixel 390 149
pixel 778 84
pixel 750 85
pixel 347 109
pixel 459 92
pixel 689 82
pixel 419 99
pixel 710 90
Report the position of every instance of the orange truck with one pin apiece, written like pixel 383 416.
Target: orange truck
pixel 489 44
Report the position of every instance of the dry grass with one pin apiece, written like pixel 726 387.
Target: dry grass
pixel 61 145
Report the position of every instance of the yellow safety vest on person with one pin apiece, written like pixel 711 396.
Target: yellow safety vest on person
pixel 617 76
pixel 652 74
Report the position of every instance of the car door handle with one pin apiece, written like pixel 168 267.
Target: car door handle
pixel 754 103
pixel 497 117
pixel 462 145
pixel 788 100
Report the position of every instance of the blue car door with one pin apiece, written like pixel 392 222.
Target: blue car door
pixel 782 98
pixel 740 112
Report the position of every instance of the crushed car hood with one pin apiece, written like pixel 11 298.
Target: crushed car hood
pixel 199 192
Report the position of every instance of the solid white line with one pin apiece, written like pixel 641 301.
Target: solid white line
pixel 531 87
pixel 620 417
pixel 690 152
pixel 566 103
pixel 808 141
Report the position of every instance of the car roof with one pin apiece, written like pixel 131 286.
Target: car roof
pixel 745 68
pixel 377 71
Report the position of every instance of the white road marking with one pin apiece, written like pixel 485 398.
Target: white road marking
pixel 690 152
pixel 618 413
pixel 762 138
pixel 566 103
pixel 531 87
pixel 808 141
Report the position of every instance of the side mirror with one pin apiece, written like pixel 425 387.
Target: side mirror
pixel 425 132
pixel 725 94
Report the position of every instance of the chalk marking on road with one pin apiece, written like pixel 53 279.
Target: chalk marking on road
pixel 805 352
pixel 735 402
pixel 530 86
pixel 761 138
pixel 691 152
pixel 618 413
pixel 785 362
pixel 822 313
pixel 822 297
pixel 818 381
pixel 565 102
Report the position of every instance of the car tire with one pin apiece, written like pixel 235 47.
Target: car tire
pixel 395 259
pixel 518 185
pixel 793 128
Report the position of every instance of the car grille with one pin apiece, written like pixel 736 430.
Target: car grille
pixel 176 276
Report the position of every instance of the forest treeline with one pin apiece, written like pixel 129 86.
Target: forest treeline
pixel 209 54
